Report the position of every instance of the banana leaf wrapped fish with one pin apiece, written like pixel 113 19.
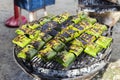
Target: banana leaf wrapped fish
pixel 76 47
pixel 93 49
pixel 47 53
pixel 68 34
pixel 87 37
pixel 85 24
pixel 56 45
pixel 40 22
pixel 49 26
pixel 65 58
pixel 27 53
pixel 76 19
pixel 86 18
pixel 83 41
pixel 61 18
pixel 64 37
pixel 78 26
pixel 44 20
pixel 29 32
pixel 73 31
pixel 37 44
pixel 65 15
pixel 81 28
pixel 45 37
pixel 95 32
pixel 100 26
pixel 77 42
pixel 53 32
pixel 91 20
pixel 21 40
pixel 31 25
pixel 104 41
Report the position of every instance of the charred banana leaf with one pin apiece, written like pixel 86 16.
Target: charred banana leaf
pixel 68 34
pixel 27 53
pixel 104 41
pixel 61 18
pixel 83 41
pixel 80 27
pixel 44 20
pixel 33 25
pixel 93 49
pixel 29 32
pixel 76 47
pixel 91 20
pixel 47 53
pixel 95 32
pixel 77 42
pixel 45 37
pixel 53 32
pixel 86 18
pixel 49 26
pixel 85 25
pixel 56 45
pixel 37 44
pixel 74 32
pixel 64 37
pixel 21 40
pixel 77 50
pixel 88 38
pixel 100 26
pixel 76 19
pixel 65 58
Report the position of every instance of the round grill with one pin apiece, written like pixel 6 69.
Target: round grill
pixel 82 67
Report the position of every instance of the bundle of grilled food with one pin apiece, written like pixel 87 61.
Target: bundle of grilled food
pixel 61 38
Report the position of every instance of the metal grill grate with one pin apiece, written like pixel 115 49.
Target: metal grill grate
pixel 83 65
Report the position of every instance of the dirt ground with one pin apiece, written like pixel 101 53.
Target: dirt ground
pixel 9 69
